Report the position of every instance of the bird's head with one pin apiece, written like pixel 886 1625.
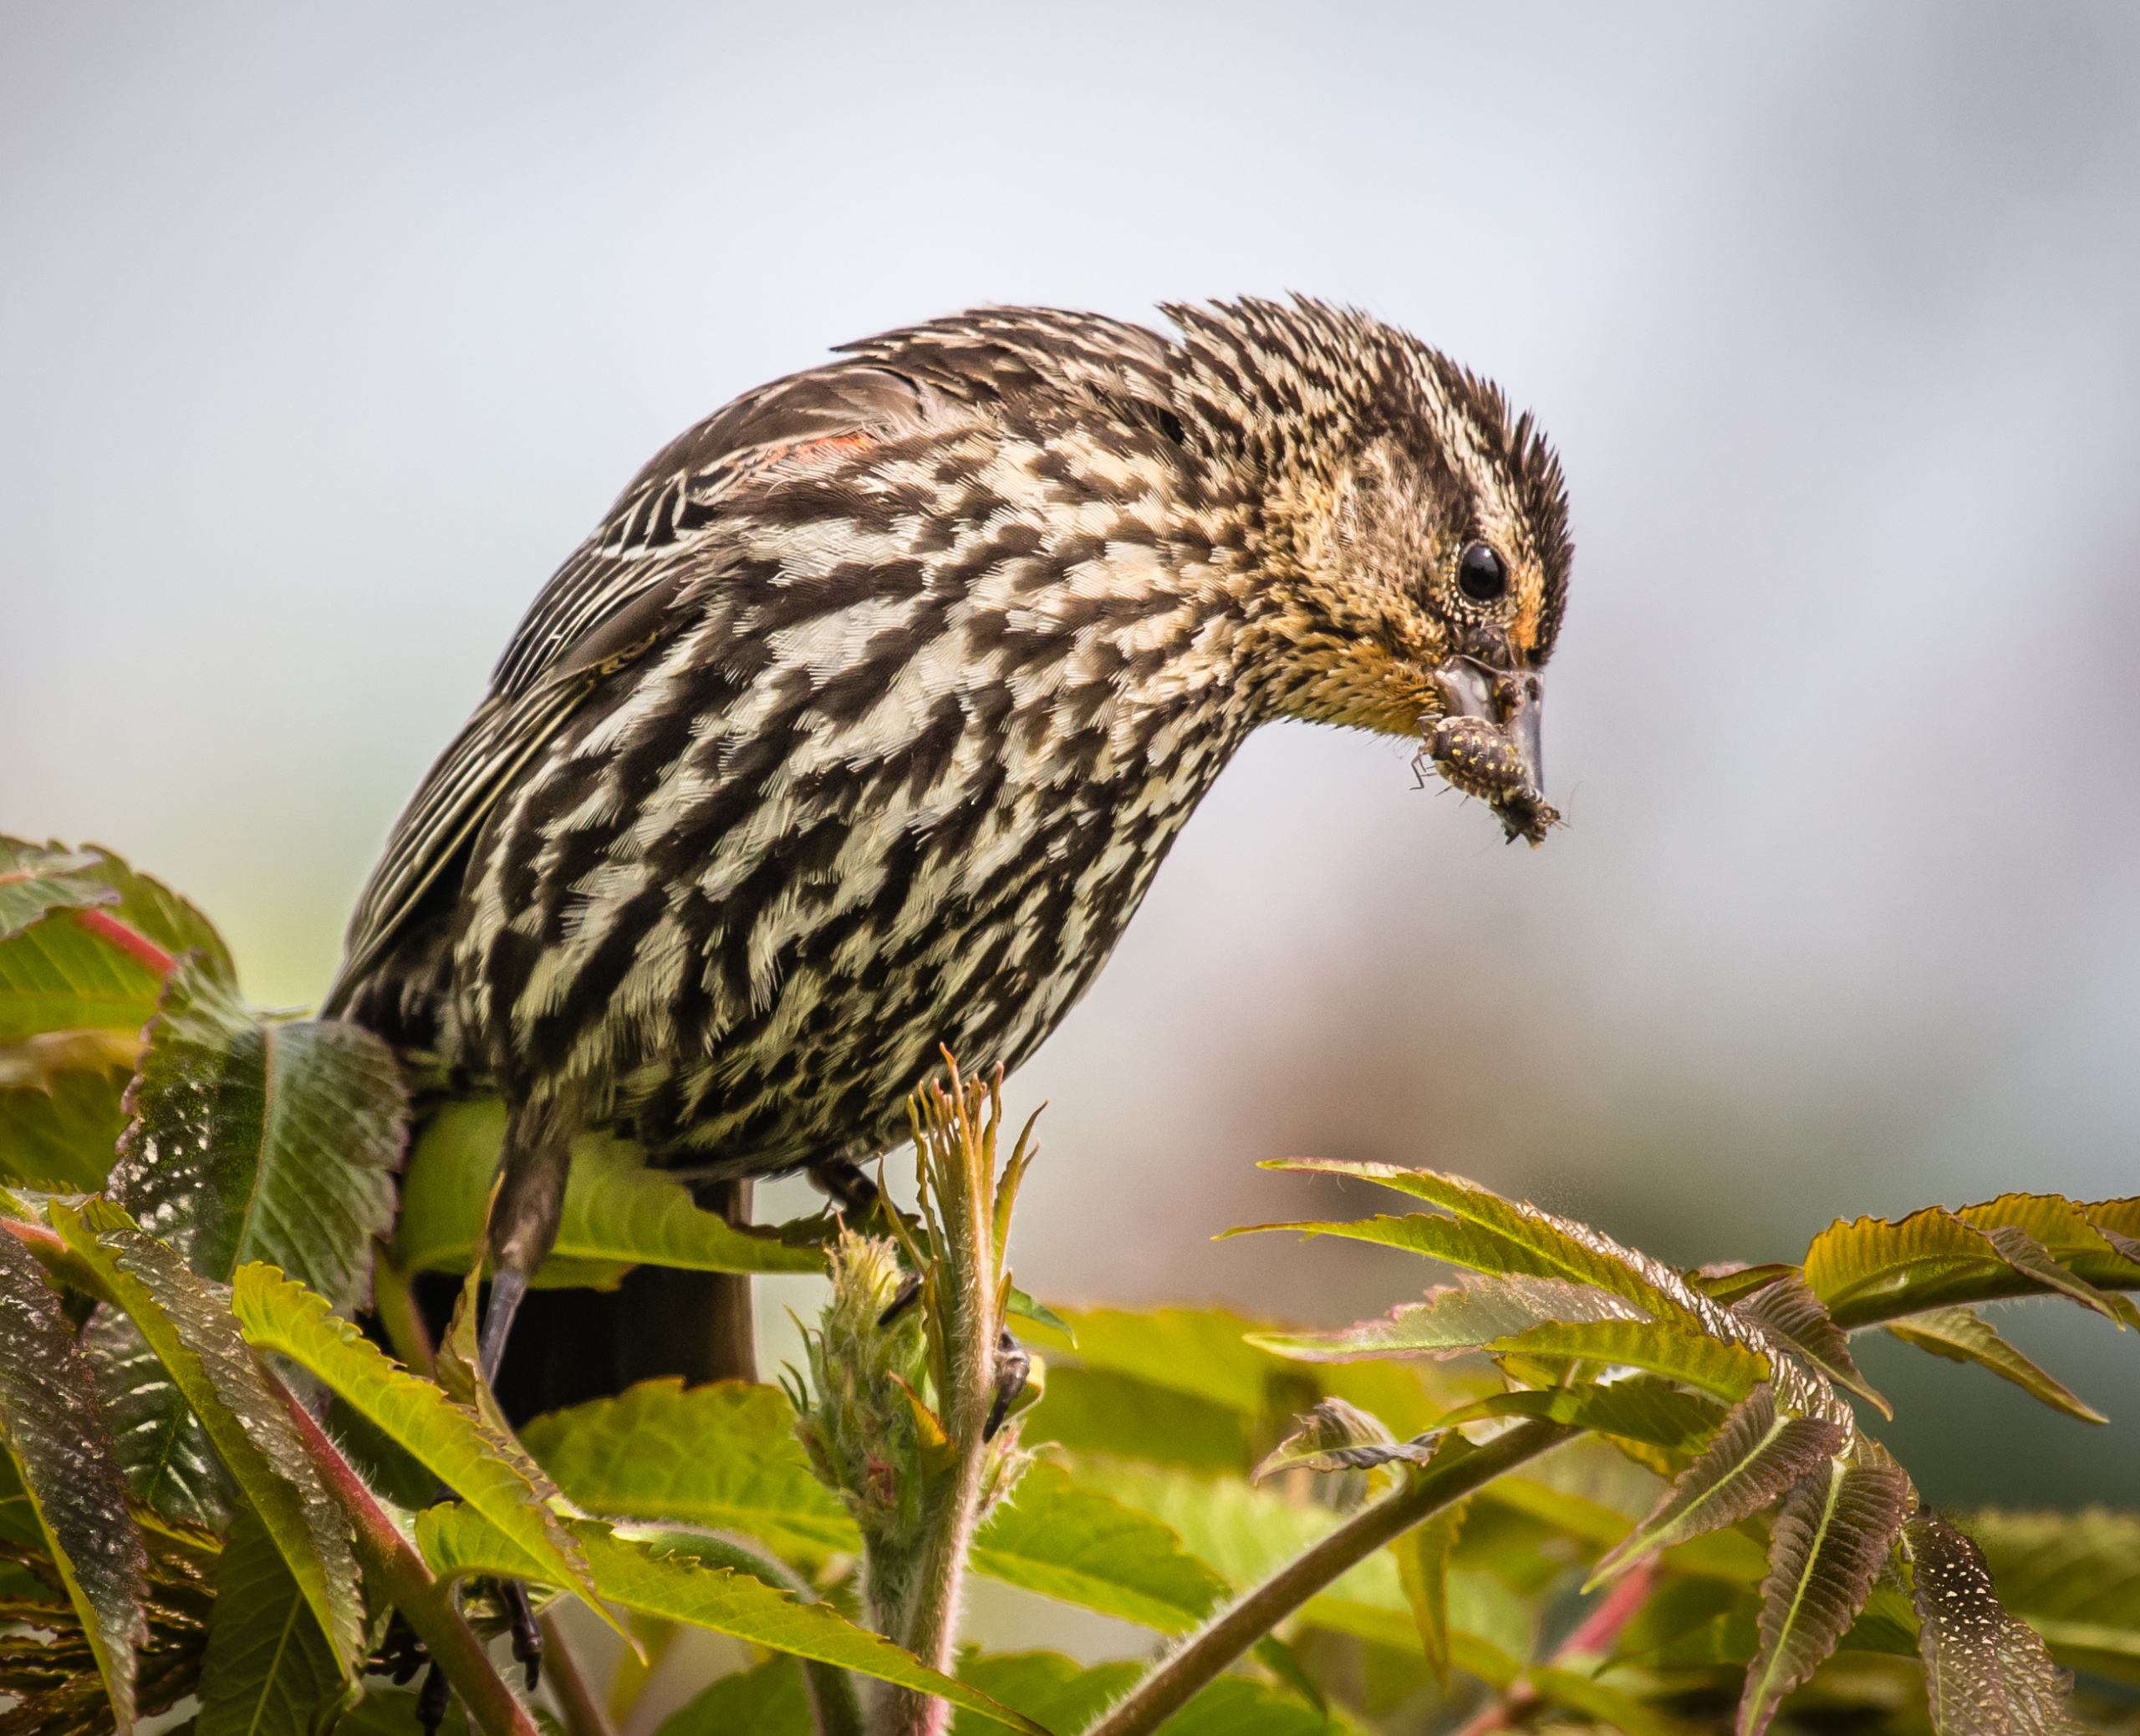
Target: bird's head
pixel 1413 538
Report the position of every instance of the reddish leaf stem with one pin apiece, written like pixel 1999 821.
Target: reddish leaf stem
pixel 126 940
pixel 1599 1631
pixel 1594 1634
pixel 393 1567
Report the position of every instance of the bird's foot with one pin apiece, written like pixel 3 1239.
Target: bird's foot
pixel 526 1634
pixel 432 1700
pixel 1013 1369
pixel 847 1185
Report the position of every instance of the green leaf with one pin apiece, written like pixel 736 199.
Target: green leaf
pixel 1022 1306
pixel 2118 1222
pixel 59 976
pixel 1758 1454
pixel 2068 1233
pixel 618 1213
pixel 1961 1335
pixel 768 1701
pixel 157 913
pixel 1423 1556
pixel 1608 1705
pixel 1868 1267
pixel 1084 1547
pixel 1550 1246
pixel 1984 1670
pixel 1247 1533
pixel 1691 1622
pixel 1338 1436
pixel 724 1456
pixel 1276 1656
pixel 56 975
pixel 457 1540
pixel 1234 1706
pixel 1095 1410
pixel 1834 1532
pixel 392 1711
pixel 1728 1371
pixel 1636 1410
pixel 1199 1351
pixel 1454 1320
pixel 1789 1310
pixel 162 1450
pixel 2032 1259
pixel 2075 1577
pixel 1734 1280
pixel 277 1315
pixel 34 881
pixel 260 1140
pixel 64 1137
pixel 1048 1687
pixel 51 1424
pixel 190 1328
pixel 268 1665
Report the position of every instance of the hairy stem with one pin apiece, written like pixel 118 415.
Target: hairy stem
pixel 392 1566
pixel 583 1715
pixel 960 1162
pixel 1177 1678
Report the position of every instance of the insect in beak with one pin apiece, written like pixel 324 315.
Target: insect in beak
pixel 1484 741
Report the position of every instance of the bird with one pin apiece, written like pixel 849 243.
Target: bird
pixel 858 727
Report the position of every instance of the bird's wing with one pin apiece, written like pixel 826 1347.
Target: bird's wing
pixel 609 604
pixel 621 592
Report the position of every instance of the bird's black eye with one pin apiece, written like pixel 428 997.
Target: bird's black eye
pixel 1481 574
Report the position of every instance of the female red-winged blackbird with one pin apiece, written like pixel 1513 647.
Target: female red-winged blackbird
pixel 862 723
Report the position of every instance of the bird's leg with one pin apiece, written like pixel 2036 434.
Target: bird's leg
pixel 532 1167
pixel 846 1184
pixel 531 1172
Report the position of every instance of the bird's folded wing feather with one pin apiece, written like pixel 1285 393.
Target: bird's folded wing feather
pixel 628 584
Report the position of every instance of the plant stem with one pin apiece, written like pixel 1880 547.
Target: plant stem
pixel 392 1566
pixel 582 1716
pixel 1177 1679
pixel 395 1304
pixel 960 1164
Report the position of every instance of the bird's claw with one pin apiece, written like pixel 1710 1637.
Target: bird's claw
pixel 909 1290
pixel 433 1699
pixel 526 1634
pixel 848 1185
pixel 1013 1369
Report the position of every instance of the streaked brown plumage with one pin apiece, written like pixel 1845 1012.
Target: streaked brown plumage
pixel 862 723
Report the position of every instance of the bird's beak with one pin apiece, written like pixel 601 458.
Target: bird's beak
pixel 1485 741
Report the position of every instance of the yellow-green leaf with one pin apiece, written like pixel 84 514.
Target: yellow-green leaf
pixel 1083 1547
pixel 279 1316
pixel 724 1456
pixel 189 1326
pixel 1961 1335
pixel 1728 1371
pixel 618 1213
pixel 457 1540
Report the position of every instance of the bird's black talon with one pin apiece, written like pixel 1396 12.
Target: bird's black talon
pixel 847 1185
pixel 432 1699
pixel 909 1291
pixel 1013 1369
pixel 527 1636
pixel 401 1654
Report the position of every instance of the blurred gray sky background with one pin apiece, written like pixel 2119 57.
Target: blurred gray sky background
pixel 326 332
